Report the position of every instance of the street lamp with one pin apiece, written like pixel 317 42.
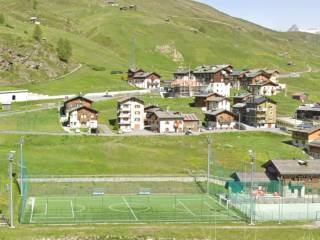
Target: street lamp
pixel 21 166
pixel 209 163
pixel 253 159
pixel 10 160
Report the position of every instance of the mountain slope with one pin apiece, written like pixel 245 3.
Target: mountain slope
pixel 167 34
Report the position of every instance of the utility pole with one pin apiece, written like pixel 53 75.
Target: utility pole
pixel 10 160
pixel 209 163
pixel 21 166
pixel 253 159
pixel 239 119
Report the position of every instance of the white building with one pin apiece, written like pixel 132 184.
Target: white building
pixel 215 102
pixel 166 122
pixel 146 80
pixel 264 88
pixel 131 114
pixel 220 88
pixel 13 96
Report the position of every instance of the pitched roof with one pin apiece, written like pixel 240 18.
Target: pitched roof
pixel 78 97
pixel 81 107
pixel 264 83
pixel 315 143
pixel 239 105
pixel 126 99
pixel 307 130
pixel 190 117
pixel 242 95
pixel 145 74
pixel 295 167
pixel 215 112
pixel 256 100
pixel 211 68
pixel 167 115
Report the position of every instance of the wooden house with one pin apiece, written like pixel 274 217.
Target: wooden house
pixel 301 137
pixel 220 119
pixel 191 123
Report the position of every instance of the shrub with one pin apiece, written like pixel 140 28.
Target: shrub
pixel 37 33
pixel 96 68
pixel 64 49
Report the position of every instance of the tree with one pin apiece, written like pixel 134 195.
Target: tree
pixel 35 4
pixel 2 20
pixel 37 33
pixel 64 49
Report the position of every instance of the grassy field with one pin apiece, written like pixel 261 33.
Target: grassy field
pixel 102 36
pixel 156 231
pixel 56 155
pixel 308 83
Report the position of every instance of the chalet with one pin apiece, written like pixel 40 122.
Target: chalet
pixel 132 72
pixel 301 137
pixel 241 97
pixel 261 112
pixel 218 102
pixel 253 76
pixel 78 101
pixel 308 112
pixel 130 114
pixel 146 80
pixel 274 75
pixel 220 119
pixel 185 84
pixel 166 122
pixel 148 110
pixel 263 88
pixel 200 99
pixel 191 123
pixel 301 96
pixel 313 149
pixel 300 178
pixel 77 112
pixel 83 117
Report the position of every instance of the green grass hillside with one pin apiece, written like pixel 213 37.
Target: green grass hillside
pixel 60 155
pixel 168 34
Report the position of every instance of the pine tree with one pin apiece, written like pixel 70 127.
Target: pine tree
pixel 64 49
pixel 37 33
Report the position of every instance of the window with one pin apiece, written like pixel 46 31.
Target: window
pixel 137 113
pixel 137 106
pixel 167 122
pixel 137 119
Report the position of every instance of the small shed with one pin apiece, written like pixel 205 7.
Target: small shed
pixel 6 106
pixel 301 96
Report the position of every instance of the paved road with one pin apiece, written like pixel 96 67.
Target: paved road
pixel 139 133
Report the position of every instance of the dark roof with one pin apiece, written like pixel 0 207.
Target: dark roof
pixel 246 176
pixel 242 95
pixel 78 97
pixel 126 99
pixel 215 112
pixel 145 74
pixel 256 100
pixel 211 68
pixel 295 167
pixel 307 130
pixel 206 95
pixel 167 115
pixel 190 117
pixel 81 107
pixel 264 83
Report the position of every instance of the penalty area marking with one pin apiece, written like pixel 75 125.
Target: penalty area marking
pixel 186 208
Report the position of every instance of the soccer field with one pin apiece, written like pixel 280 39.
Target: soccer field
pixel 126 208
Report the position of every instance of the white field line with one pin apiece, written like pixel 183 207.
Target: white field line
pixel 233 214
pixel 32 209
pixel 185 207
pixel 128 205
pixel 71 204
pixel 46 210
